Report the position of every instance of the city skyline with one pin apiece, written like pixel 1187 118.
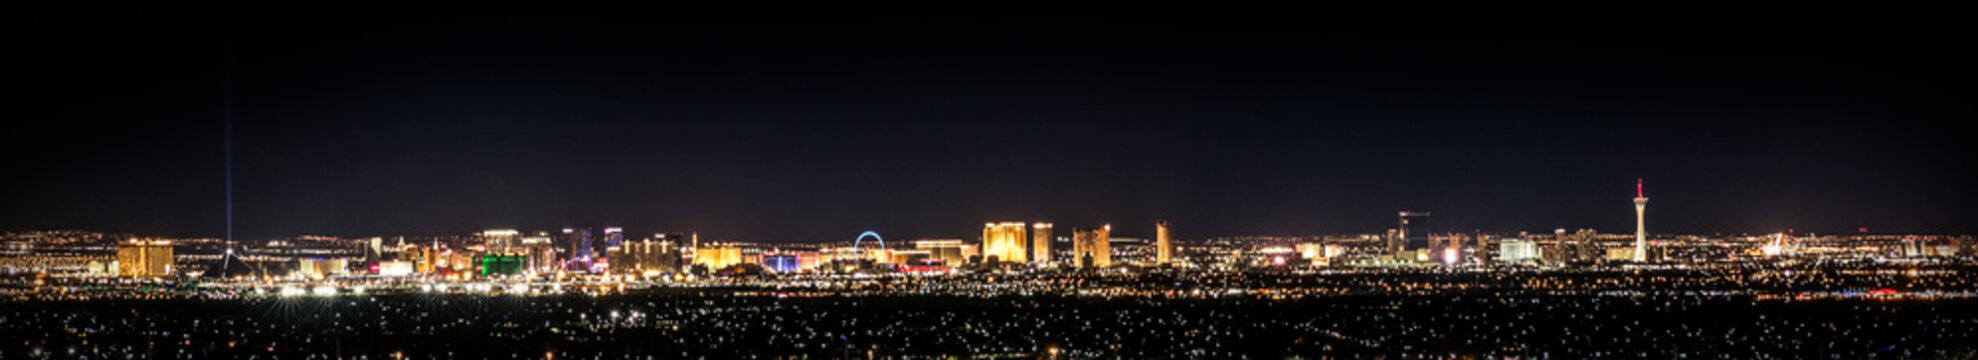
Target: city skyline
pixel 801 128
pixel 1232 180
pixel 1639 228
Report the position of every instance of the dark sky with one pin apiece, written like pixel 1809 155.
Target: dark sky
pixel 793 125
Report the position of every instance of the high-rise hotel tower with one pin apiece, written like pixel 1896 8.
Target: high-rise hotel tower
pixel 1092 247
pixel 1040 243
pixel 1005 242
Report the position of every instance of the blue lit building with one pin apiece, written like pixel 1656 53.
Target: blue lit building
pixel 781 263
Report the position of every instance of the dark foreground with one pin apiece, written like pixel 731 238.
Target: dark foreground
pixel 714 324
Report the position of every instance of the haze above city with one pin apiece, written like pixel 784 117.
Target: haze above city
pixel 408 120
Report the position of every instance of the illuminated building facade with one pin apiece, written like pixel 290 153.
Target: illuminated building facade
pixel 395 268
pixel 1310 250
pixel 614 236
pixel 947 251
pixel 141 259
pixel 841 256
pixel 1163 248
pixel 971 251
pixel 579 254
pixel 877 256
pixel 643 255
pixel 1004 241
pixel 495 264
pixel 322 268
pixel 1622 254
pixel 539 253
pixel 1518 250
pixel 1565 245
pixel 1092 247
pixel 424 260
pixel 781 263
pixel 910 257
pixel 809 259
pixel 1579 246
pixel 500 240
pixel 670 252
pixel 716 258
pixel 1040 243
pixel 1393 239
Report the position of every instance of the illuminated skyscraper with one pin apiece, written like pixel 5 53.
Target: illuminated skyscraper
pixel 1582 245
pixel 614 242
pixel 582 253
pixel 1040 243
pixel 1004 241
pixel 614 236
pixel 1092 247
pixel 670 252
pixel 1567 247
pixel 579 241
pixel 1641 227
pixel 1414 230
pixel 1163 249
pixel 500 240
pixel 655 254
pixel 540 252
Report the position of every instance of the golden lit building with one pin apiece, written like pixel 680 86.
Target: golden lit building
pixel 971 251
pixel 878 256
pixel 425 260
pixel 949 251
pixel 1310 250
pixel 1040 242
pixel 716 258
pixel 830 255
pixel 1092 247
pixel 1004 241
pixel 144 259
pixel 322 268
pixel 1621 254
pixel 1163 249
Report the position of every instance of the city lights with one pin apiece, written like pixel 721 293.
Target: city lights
pixel 1569 270
pixel 411 180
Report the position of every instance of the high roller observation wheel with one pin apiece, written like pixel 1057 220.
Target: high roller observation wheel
pixel 857 253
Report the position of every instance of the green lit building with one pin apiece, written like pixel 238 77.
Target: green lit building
pixel 500 264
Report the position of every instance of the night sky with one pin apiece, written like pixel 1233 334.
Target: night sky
pixel 800 126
